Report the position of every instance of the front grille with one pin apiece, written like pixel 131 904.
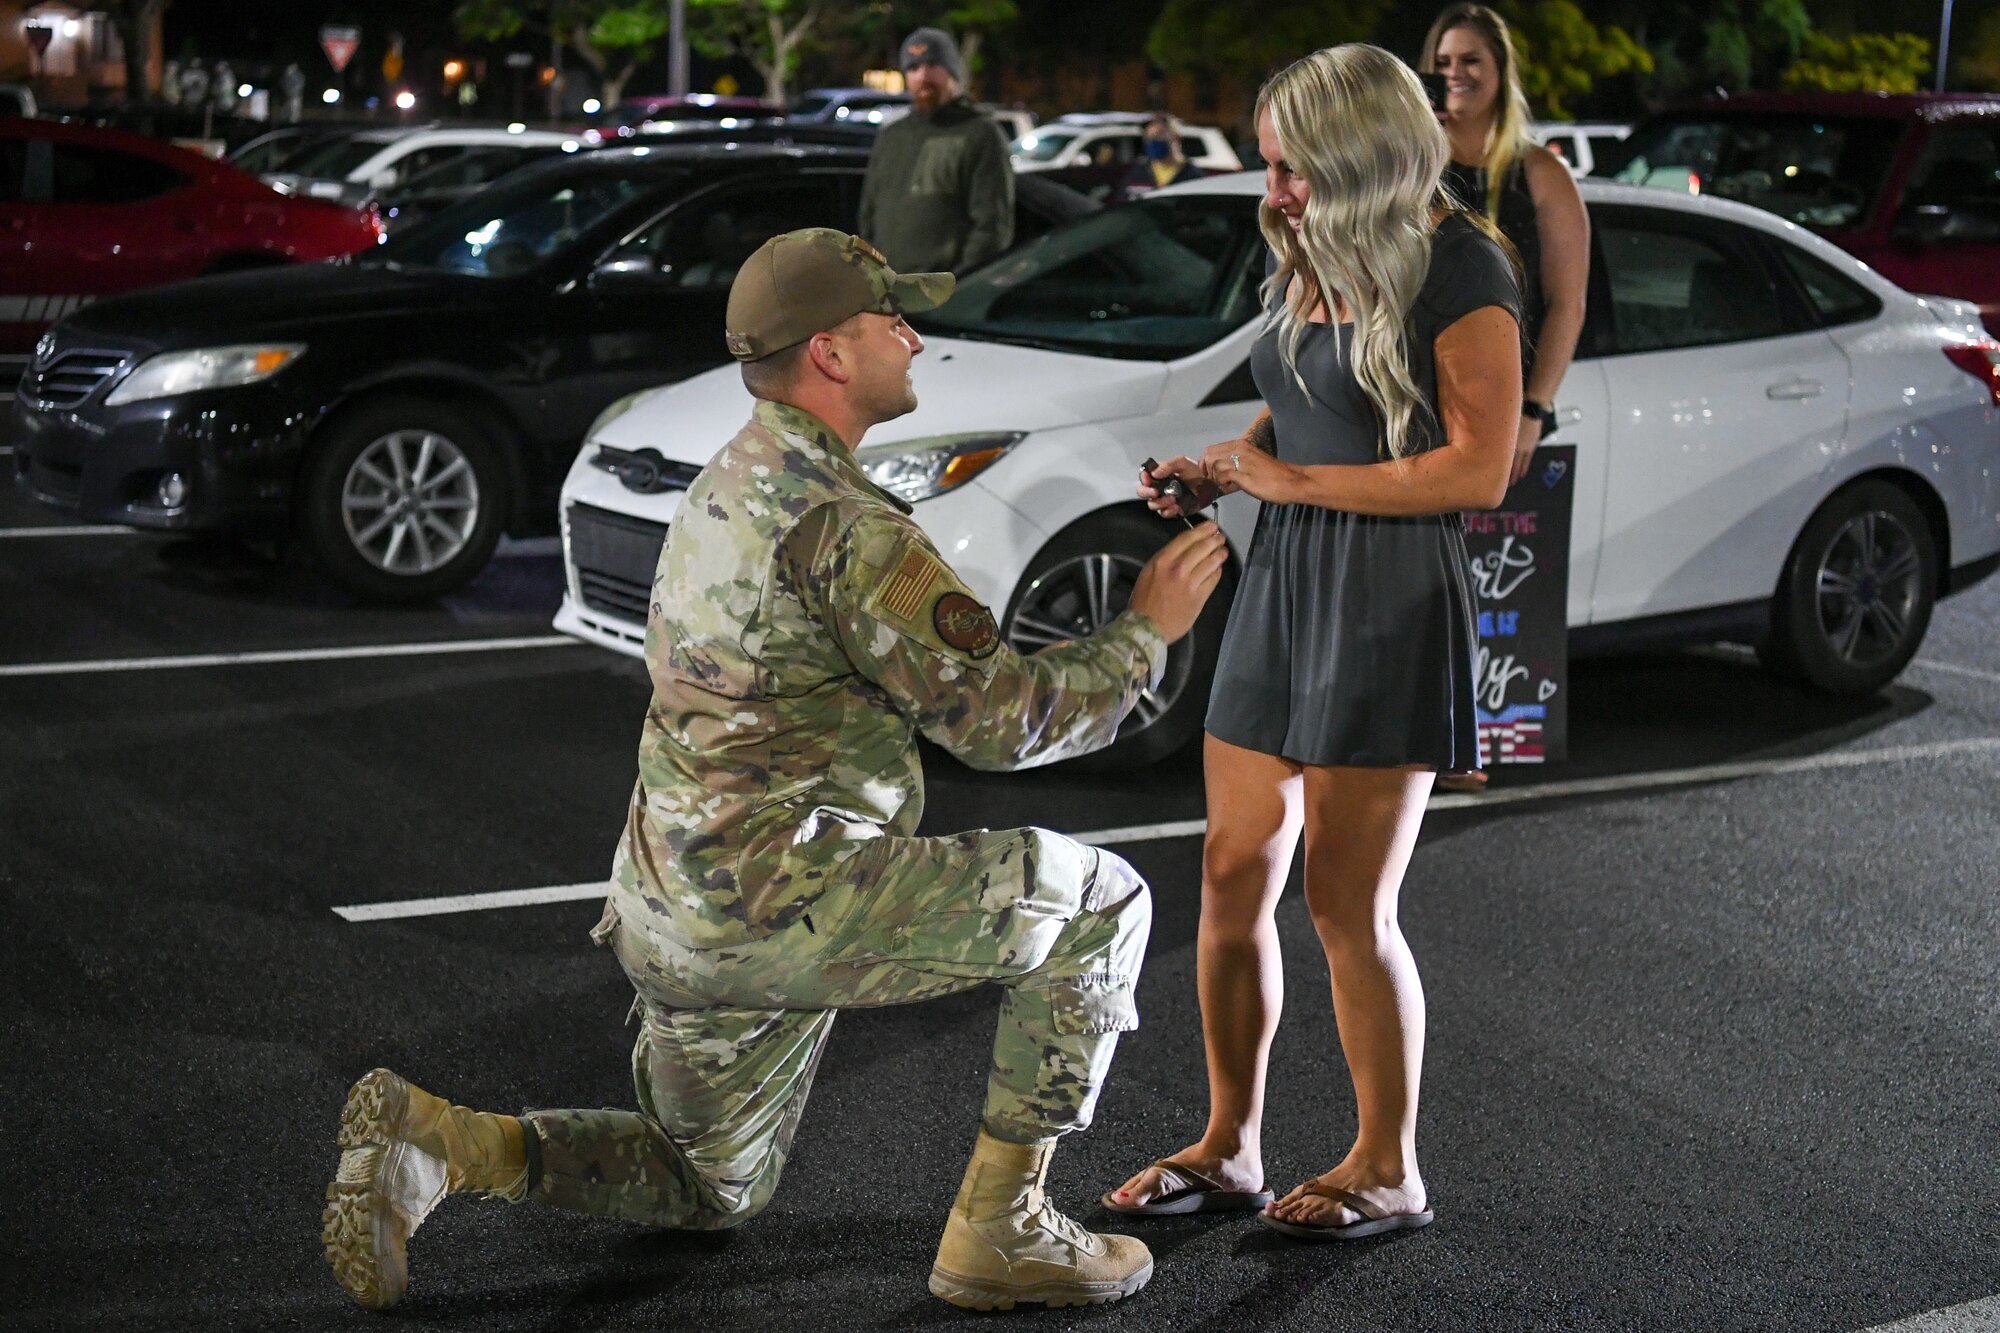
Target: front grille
pixel 615 556
pixel 68 377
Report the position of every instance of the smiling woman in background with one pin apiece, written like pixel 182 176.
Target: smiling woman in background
pixel 1390 360
pixel 1527 191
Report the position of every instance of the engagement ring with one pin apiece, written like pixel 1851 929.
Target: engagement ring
pixel 1236 461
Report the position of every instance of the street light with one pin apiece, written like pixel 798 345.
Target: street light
pixel 454 70
pixel 1944 44
pixel 330 96
pixel 591 106
pixel 405 100
pixel 244 90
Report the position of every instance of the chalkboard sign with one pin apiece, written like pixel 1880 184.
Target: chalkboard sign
pixel 1520 577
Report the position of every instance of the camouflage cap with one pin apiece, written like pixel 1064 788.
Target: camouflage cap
pixel 808 281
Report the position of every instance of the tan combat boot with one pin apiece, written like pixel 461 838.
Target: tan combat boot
pixel 402 1151
pixel 1004 1242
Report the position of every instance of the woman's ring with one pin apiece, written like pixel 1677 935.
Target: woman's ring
pixel 1236 461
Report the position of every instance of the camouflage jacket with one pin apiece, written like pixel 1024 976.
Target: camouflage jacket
pixel 803 631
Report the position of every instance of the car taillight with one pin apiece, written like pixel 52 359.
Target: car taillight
pixel 1981 360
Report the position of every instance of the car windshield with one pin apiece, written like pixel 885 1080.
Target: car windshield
pixel 271 154
pixel 333 161
pixel 1819 171
pixel 811 104
pixel 1148 281
pixel 511 229
pixel 1042 145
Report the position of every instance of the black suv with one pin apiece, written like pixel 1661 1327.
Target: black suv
pixel 397 413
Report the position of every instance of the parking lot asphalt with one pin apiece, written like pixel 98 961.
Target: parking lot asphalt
pixel 1708 1048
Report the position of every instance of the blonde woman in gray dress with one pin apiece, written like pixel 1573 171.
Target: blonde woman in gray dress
pixel 1391 364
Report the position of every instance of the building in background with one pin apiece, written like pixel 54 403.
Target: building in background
pixel 81 60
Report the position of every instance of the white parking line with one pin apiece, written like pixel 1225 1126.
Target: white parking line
pixel 90 667
pixel 1191 828
pixel 74 530
pixel 1981 1316
pixel 473 902
pixel 1954 669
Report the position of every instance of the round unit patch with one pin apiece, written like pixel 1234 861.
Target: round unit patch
pixel 964 624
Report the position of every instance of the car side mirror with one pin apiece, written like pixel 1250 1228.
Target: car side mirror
pixel 1921 224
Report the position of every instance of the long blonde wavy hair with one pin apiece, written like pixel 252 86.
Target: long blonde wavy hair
pixel 1354 121
pixel 1507 142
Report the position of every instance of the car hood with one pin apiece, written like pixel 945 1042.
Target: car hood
pixel 962 386
pixel 276 302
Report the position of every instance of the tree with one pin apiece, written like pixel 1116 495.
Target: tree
pixel 1563 54
pixel 1248 39
pixel 770 34
pixel 1866 62
pixel 136 21
pixel 599 31
pixel 1978 65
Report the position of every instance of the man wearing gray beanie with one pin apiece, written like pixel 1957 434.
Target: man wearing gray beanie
pixel 939 195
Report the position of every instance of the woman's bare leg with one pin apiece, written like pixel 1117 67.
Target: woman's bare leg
pixel 1254 816
pixel 1361 827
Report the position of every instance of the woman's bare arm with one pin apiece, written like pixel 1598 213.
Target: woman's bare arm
pixel 1479 402
pixel 1564 228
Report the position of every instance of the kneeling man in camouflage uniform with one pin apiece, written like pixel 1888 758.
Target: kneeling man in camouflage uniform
pixel 803 632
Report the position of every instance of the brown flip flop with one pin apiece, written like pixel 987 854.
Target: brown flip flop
pixel 1372 1223
pixel 1190 1192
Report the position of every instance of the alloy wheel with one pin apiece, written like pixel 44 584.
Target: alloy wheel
pixel 1869 588
pixel 410 502
pixel 1079 597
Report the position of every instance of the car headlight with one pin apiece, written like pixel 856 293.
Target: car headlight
pixel 204 368
pixel 919 469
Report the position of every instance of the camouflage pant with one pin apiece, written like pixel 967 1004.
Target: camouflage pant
pixel 733 1035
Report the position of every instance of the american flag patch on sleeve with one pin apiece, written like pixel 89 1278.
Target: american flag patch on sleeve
pixel 903 592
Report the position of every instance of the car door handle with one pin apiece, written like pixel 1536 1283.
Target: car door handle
pixel 1793 389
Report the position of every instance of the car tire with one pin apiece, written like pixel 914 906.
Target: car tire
pixel 402 499
pixel 1857 592
pixel 1079 582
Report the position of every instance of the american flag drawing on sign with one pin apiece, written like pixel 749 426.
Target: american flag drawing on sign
pixel 1512 736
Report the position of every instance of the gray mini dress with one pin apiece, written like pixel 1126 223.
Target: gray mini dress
pixel 1351 638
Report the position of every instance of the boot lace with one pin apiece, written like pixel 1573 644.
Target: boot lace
pixel 1052 1219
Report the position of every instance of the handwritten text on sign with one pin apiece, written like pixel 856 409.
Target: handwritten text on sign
pixel 1519 556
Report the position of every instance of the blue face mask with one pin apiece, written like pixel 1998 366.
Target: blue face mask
pixel 1159 150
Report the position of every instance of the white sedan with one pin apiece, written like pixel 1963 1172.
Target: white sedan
pixel 1774 444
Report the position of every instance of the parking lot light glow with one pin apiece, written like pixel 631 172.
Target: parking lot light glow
pixel 591 106
pixel 405 100
pixel 244 90
pixel 330 96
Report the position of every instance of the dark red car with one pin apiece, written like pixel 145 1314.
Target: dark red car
pixel 1908 182
pixel 88 212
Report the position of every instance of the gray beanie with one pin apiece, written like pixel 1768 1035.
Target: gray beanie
pixel 932 46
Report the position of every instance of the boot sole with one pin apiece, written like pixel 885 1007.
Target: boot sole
pixel 971 1293
pixel 351 1228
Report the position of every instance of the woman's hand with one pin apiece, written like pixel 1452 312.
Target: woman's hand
pixel 1237 466
pixel 1197 492
pixel 1524 447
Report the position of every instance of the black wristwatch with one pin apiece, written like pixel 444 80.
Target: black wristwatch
pixel 1544 413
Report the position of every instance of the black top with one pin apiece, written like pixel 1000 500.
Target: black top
pixel 1519 224
pixel 1350 641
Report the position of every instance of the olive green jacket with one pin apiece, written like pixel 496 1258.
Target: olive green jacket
pixel 939 196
